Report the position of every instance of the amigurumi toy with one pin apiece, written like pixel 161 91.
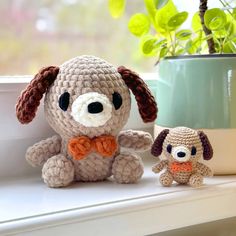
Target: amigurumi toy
pixel 183 147
pixel 87 102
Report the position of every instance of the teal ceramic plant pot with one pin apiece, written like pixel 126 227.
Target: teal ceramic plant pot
pixel 200 92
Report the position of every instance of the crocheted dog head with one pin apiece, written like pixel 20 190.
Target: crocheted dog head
pixel 182 144
pixel 86 95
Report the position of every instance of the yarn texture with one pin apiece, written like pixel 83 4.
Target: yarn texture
pixel 81 114
pixel 80 147
pixel 134 139
pixel 40 152
pixel 29 100
pixel 146 102
pixel 183 148
pixel 87 102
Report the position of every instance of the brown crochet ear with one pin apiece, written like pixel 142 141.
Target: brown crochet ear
pixel 146 102
pixel 29 99
pixel 158 143
pixel 207 148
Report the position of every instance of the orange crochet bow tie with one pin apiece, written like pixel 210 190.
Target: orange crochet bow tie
pixel 178 166
pixel 80 147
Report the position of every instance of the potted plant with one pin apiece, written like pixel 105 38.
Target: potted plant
pixel 196 86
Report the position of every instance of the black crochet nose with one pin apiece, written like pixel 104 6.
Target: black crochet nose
pixel 181 154
pixel 95 107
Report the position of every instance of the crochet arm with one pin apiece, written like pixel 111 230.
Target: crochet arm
pixel 204 170
pixel 136 140
pixel 40 152
pixel 159 166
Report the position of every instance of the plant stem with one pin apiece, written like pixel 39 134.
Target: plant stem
pixel 172 45
pixel 202 10
pixel 221 44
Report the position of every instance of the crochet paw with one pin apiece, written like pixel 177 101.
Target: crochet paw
pixel 35 157
pixel 166 179
pixel 40 152
pixel 210 173
pixel 139 141
pixel 58 171
pixel 127 168
pixel 196 180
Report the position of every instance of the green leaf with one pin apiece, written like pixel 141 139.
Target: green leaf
pixel 181 51
pixel 218 45
pixel 161 3
pixel 163 16
pixel 209 36
pixel 116 7
pixel 193 46
pixel 229 27
pixel 230 46
pixel 188 46
pixel 227 48
pixel 183 34
pixel 139 24
pixel 161 43
pixel 226 31
pixel 233 38
pixel 151 8
pixel 150 44
pixel 234 13
pixel 196 22
pixel 231 24
pixel 177 20
pixel 147 44
pixel 215 19
pixel 163 52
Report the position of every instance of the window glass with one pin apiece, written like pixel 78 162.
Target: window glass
pixel 34 34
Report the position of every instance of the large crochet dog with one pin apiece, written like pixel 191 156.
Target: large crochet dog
pixel 87 103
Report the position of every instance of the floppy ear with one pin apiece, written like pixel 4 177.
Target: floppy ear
pixel 207 148
pixel 146 102
pixel 158 143
pixel 29 99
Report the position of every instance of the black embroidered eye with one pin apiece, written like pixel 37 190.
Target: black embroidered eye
pixel 64 101
pixel 194 151
pixel 117 100
pixel 169 148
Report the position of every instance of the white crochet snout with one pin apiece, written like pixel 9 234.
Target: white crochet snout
pixel 181 153
pixel 91 109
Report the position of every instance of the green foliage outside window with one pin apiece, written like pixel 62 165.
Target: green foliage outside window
pixel 161 33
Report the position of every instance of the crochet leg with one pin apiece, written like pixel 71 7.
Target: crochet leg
pixel 166 179
pixel 196 180
pixel 127 168
pixel 58 171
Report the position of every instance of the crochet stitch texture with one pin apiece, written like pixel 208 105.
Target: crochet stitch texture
pixel 87 102
pixel 182 148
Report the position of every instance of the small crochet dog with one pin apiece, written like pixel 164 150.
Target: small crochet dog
pixel 87 102
pixel 182 147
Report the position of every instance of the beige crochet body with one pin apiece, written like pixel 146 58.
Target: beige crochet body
pixel 79 76
pixel 182 145
pixel 181 177
pixel 92 168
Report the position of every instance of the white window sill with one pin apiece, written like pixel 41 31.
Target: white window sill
pixel 28 207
